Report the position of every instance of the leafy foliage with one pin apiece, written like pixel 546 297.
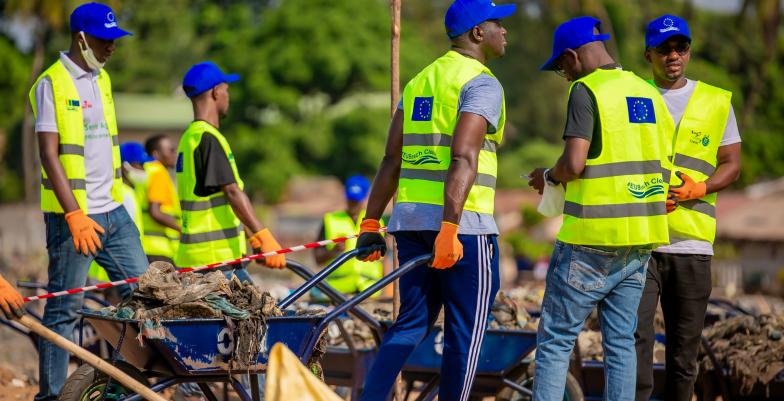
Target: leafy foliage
pixel 313 72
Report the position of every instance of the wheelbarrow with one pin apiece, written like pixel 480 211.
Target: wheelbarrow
pixel 199 350
pixel 503 371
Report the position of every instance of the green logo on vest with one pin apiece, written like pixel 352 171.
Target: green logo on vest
pixel 655 186
pixel 426 156
pixel 698 138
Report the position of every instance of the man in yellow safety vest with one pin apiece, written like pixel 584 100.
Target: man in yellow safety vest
pixel 214 206
pixel 441 159
pixel 706 158
pixel 615 169
pixel 158 198
pixel 81 188
pixel 354 275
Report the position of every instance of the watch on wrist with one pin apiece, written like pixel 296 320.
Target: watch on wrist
pixel 549 179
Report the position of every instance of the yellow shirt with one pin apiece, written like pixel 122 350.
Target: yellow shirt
pixel 160 188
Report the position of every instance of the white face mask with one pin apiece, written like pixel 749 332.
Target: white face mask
pixel 88 55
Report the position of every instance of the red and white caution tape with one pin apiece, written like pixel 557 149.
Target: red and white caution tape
pixel 198 268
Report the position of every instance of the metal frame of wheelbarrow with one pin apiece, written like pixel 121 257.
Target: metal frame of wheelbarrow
pixel 354 363
pixel 163 362
pixel 495 377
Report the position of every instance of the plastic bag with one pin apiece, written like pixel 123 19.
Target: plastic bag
pixel 552 202
pixel 289 380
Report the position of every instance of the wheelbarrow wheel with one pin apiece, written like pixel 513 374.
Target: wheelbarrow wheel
pixel 87 383
pixel 572 392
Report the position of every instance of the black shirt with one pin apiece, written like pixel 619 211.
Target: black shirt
pixel 212 167
pixel 582 117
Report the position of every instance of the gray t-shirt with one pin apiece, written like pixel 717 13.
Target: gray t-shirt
pixel 676 100
pixel 483 96
pixel 99 170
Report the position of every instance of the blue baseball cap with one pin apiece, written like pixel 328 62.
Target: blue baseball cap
pixel 204 76
pixel 357 188
pixel 571 35
pixel 665 27
pixel 133 152
pixel 463 15
pixel 97 20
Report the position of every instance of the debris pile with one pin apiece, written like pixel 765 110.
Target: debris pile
pixel 751 348
pixel 360 333
pixel 507 314
pixel 164 294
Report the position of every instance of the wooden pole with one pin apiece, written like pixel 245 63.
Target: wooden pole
pixel 394 99
pixel 395 5
pixel 90 358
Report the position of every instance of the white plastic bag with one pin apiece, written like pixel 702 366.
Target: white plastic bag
pixel 552 202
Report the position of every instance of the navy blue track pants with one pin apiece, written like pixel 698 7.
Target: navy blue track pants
pixel 466 291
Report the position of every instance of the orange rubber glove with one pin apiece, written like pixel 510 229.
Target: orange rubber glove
pixel 267 243
pixel 10 301
pixel 689 189
pixel 370 237
pixel 671 203
pixel 83 230
pixel 447 250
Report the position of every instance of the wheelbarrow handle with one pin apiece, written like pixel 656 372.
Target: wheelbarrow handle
pixel 338 298
pixel 377 286
pixel 317 278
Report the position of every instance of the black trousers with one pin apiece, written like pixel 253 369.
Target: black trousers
pixel 683 282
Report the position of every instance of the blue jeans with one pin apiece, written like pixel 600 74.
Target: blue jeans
pixel 579 279
pixel 122 257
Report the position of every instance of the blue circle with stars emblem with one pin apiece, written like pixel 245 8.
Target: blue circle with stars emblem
pixel 640 110
pixel 424 108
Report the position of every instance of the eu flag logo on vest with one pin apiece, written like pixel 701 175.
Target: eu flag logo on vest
pixel 178 167
pixel 72 104
pixel 640 110
pixel 423 109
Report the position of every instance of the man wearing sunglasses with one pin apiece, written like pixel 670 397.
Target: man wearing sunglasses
pixel 707 160
pixel 615 162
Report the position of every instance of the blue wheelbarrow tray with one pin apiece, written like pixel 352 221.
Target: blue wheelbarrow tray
pixel 199 346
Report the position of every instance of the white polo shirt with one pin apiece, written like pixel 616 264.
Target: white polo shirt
pixel 99 170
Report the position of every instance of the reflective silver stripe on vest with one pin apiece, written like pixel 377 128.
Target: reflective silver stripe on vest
pixel 69 149
pixel 693 163
pixel 699 206
pixel 666 174
pixel 485 180
pixel 116 140
pixel 210 236
pixel 441 140
pixel 118 173
pixel 155 234
pixel 619 210
pixel 622 168
pixel 74 184
pixel 194 206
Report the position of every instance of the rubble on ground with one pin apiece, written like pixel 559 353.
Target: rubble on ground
pixel 750 347
pixel 507 314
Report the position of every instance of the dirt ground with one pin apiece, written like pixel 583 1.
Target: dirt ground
pixel 15 385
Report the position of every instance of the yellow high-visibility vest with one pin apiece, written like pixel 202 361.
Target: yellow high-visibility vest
pixel 211 232
pixel 696 148
pixel 157 239
pixel 70 126
pixel 619 200
pixel 430 102
pixel 354 275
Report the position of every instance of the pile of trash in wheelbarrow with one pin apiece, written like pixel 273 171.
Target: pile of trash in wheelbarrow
pixel 165 294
